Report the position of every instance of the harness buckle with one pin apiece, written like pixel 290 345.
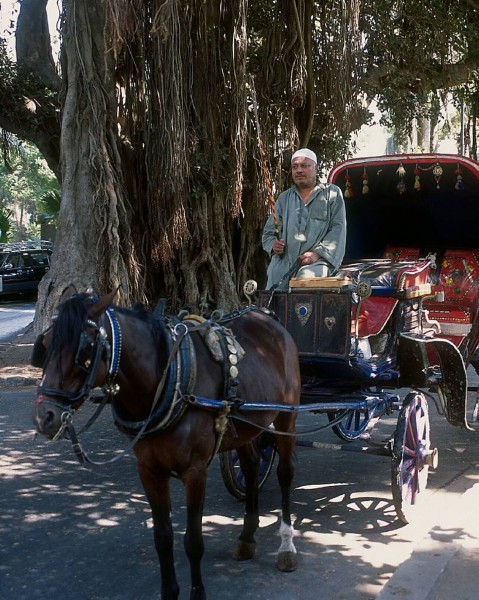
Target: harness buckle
pixel 65 419
pixel 180 329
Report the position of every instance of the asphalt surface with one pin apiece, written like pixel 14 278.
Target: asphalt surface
pixel 85 534
pixel 14 317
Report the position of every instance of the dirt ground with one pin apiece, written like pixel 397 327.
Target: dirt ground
pixel 15 368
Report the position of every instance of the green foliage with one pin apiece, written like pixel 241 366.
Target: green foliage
pixel 5 216
pixel 25 182
pixel 48 207
pixel 412 50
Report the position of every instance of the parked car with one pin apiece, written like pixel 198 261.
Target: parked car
pixel 22 265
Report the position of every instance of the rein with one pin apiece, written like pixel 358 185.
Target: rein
pixel 230 410
pixel 67 415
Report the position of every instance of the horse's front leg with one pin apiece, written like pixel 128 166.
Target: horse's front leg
pixel 157 490
pixel 194 481
pixel 249 460
pixel 287 557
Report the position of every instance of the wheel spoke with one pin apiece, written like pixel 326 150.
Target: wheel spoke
pixel 233 475
pixel 411 442
pixel 352 426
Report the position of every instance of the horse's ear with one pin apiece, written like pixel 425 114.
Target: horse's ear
pixel 68 292
pixel 38 353
pixel 98 307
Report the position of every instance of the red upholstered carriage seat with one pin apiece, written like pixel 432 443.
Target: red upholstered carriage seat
pixel 399 253
pixel 373 315
pixel 386 278
pixel 459 281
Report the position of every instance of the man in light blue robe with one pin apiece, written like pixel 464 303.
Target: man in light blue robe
pixel 310 229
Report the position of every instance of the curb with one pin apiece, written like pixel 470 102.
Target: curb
pixel 435 568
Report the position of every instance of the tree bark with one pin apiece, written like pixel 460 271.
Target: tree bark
pixel 93 232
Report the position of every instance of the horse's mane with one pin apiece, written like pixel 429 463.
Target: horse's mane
pixel 72 316
pixel 69 322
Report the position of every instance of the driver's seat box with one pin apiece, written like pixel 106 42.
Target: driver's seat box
pixel 319 320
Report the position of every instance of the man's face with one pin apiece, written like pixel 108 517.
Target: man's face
pixel 304 172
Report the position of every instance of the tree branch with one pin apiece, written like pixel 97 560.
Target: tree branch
pixel 29 105
pixel 33 44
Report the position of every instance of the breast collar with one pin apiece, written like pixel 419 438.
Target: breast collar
pixel 115 351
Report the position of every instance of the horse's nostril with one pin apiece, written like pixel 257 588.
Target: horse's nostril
pixel 44 420
pixel 49 419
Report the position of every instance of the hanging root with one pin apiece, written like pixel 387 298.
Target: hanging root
pixel 287 556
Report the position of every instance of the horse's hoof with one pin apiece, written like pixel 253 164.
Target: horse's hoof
pixel 198 593
pixel 287 561
pixel 244 551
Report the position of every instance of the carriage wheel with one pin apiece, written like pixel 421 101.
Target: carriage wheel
pixel 411 455
pixel 231 470
pixel 353 425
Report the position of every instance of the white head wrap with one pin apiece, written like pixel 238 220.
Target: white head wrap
pixel 305 152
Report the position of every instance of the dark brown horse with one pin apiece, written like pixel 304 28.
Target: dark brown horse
pixel 177 388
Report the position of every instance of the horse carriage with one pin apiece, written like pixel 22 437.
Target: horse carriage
pixel 398 322
pixel 401 313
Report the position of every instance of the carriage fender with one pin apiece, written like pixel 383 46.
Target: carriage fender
pixel 414 357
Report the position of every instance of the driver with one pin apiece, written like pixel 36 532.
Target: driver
pixel 312 221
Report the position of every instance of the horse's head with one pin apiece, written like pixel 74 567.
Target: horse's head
pixel 74 353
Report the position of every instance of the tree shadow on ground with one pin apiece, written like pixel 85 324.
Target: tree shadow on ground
pixel 86 533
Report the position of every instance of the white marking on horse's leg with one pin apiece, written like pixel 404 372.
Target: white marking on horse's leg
pixel 287 533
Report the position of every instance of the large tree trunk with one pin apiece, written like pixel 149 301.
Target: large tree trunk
pixel 92 249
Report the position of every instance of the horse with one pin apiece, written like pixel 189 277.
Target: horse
pixel 178 387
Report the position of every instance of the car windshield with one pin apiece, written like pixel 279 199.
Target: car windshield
pixel 3 256
pixel 39 259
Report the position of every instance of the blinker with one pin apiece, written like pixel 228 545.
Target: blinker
pixel 84 355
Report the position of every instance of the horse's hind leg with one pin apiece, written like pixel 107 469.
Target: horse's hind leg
pixel 249 461
pixel 287 557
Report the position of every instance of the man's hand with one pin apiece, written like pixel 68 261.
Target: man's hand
pixel 308 258
pixel 278 247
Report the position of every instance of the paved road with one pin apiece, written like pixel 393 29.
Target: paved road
pixel 15 316
pixel 69 532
